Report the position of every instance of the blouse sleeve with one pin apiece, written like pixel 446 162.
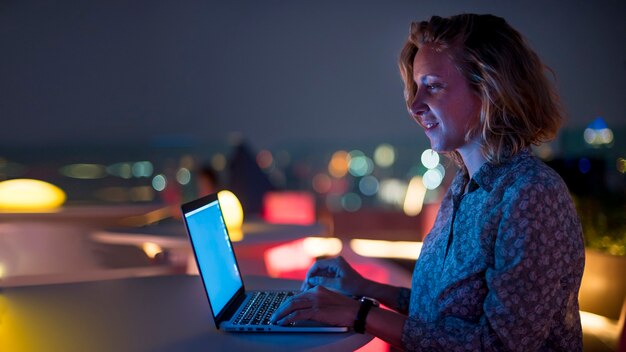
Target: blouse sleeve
pixel 537 248
pixel 404 297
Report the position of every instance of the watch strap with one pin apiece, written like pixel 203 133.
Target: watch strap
pixel 361 316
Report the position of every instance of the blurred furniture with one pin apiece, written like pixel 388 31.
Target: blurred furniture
pixel 171 239
pixel 602 299
pixel 107 242
pixel 167 313
pixel 57 243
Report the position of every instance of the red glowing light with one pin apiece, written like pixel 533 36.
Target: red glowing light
pixel 288 261
pixel 296 208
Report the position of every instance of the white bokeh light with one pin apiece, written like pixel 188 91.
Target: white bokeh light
pixel 183 176
pixel 430 158
pixel 159 182
pixel 392 191
pixel 432 178
pixel 384 155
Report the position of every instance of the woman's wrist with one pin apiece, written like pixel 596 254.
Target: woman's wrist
pixel 386 325
pixel 369 288
pixel 386 294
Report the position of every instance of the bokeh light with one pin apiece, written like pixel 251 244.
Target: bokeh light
pixel 338 166
pixel 320 246
pixel 151 249
pixel 368 185
pixel 544 151
pixel 351 202
pixel 441 169
pixel 430 158
pixel 84 171
pixel 386 249
pixel 123 170
pixel 232 210
pixel 340 185
pixel 264 159
pixel 289 207
pixel 183 176
pixel 600 137
pixel 359 164
pixel 621 165
pixel 598 133
pixel 322 183
pixel 30 195
pixel 414 199
pixel 392 191
pixel 432 178
pixel 142 169
pixel 384 155
pixel 601 326
pixel 159 182
pixel 218 162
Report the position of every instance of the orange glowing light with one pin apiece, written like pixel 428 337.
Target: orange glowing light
pixel 601 326
pixel 339 164
pixel 151 249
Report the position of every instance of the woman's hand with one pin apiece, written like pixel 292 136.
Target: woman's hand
pixel 336 274
pixel 318 304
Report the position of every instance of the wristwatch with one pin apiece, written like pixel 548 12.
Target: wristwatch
pixel 366 304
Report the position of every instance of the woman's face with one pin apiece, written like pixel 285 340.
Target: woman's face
pixel 444 104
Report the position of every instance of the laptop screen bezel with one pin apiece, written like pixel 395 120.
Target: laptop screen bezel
pixel 189 207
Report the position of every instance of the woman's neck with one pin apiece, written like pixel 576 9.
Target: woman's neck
pixel 472 157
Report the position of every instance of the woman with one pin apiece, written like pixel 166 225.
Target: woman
pixel 501 267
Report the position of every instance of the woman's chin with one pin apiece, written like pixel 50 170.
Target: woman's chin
pixel 436 147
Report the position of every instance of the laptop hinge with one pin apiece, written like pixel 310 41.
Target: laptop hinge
pixel 232 307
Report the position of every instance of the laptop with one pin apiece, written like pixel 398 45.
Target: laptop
pixel 233 307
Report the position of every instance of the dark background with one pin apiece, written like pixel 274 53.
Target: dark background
pixel 148 72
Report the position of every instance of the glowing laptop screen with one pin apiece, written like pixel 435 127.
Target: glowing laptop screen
pixel 214 254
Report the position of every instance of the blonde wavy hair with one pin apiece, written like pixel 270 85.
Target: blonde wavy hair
pixel 520 105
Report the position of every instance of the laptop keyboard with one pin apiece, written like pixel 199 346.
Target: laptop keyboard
pixel 260 308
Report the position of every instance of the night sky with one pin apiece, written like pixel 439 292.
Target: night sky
pixel 148 71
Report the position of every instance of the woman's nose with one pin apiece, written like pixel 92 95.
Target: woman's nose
pixel 418 107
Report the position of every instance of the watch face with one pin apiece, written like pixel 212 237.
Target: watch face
pixel 373 301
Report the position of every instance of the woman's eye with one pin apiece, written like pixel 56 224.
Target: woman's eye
pixel 433 86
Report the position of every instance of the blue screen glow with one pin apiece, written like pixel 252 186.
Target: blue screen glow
pixel 215 255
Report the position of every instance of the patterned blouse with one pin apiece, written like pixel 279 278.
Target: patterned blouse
pixel 501 268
